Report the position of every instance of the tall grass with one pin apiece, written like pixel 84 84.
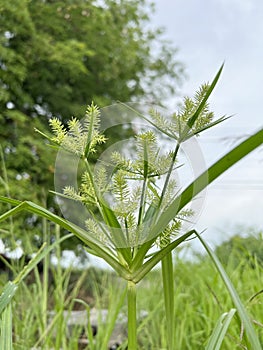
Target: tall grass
pixel 200 300
pixel 34 314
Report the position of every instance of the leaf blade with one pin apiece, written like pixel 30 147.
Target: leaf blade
pixel 83 235
pixel 251 334
pixel 193 119
pixel 157 257
pixel 6 341
pixel 219 332
pixel 207 177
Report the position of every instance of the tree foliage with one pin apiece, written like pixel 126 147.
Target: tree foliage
pixel 58 56
pixel 239 249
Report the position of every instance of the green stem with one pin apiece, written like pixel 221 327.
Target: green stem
pixel 46 236
pixel 143 201
pixel 167 179
pixel 111 220
pixel 97 197
pixel 167 270
pixel 4 181
pixel 145 181
pixel 168 290
pixel 156 212
pixel 132 328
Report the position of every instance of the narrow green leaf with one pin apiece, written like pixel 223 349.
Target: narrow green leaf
pixel 207 177
pixel 11 287
pixel 144 248
pixel 219 332
pixel 89 330
pixel 157 257
pixel 83 235
pixel 213 172
pixel 140 254
pixel 112 317
pixel 6 342
pixel 193 119
pixel 172 136
pixel 7 295
pixel 40 255
pixel 12 211
pixel 251 334
pixel 10 200
pixel 206 127
pixel 117 235
pixel 168 291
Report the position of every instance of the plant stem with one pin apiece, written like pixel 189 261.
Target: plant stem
pixel 96 198
pixel 167 179
pixel 167 270
pixel 46 236
pixel 168 291
pixel 132 328
pixel 145 181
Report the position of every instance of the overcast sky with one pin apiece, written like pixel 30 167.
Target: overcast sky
pixel 207 34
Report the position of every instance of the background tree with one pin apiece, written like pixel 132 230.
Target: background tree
pixel 239 249
pixel 58 56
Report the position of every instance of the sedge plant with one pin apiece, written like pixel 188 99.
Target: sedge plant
pixel 134 208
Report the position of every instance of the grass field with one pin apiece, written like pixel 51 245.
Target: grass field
pixel 200 300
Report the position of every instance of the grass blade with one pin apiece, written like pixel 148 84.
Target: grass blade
pixel 83 235
pixel 113 312
pixel 193 119
pixel 7 295
pixel 219 332
pixel 117 236
pixel 6 342
pixel 207 177
pixel 11 287
pixel 251 334
pixel 168 291
pixel 157 257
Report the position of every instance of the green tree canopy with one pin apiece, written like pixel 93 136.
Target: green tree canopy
pixel 242 250
pixel 58 56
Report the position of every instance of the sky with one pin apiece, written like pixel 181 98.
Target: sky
pixel 208 33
